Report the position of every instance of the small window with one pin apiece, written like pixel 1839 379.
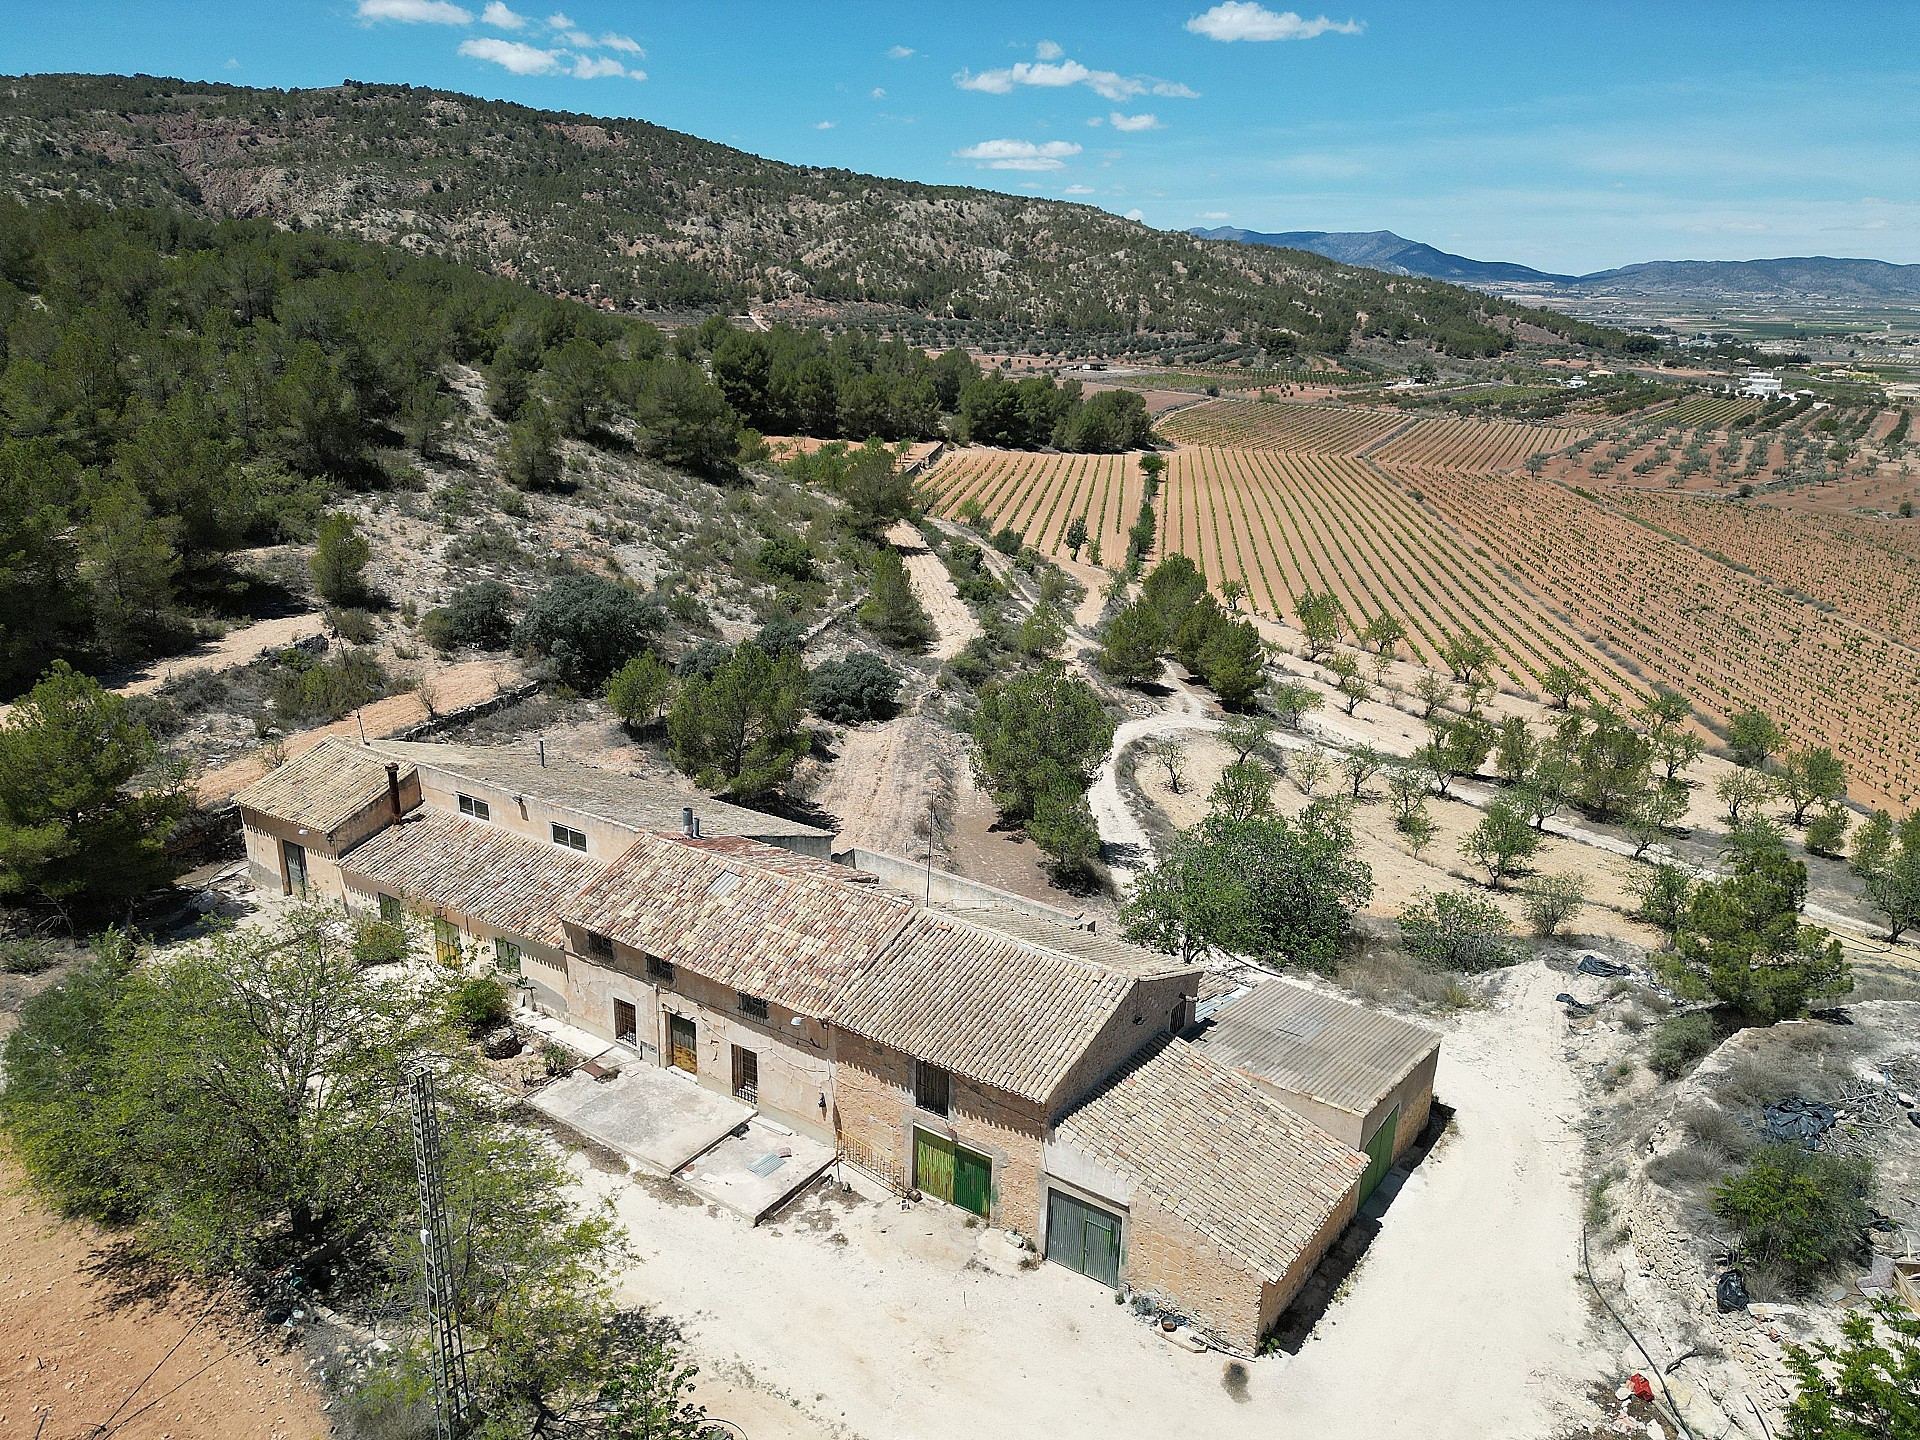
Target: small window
pixel 753 1005
pixel 573 839
pixel 478 809
pixel 599 946
pixel 658 969
pixel 506 956
pixel 446 941
pixel 390 909
pixel 932 1088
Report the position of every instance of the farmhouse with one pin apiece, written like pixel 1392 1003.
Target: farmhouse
pixel 998 1057
pixel 1762 384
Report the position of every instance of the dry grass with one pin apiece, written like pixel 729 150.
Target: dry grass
pixel 1387 977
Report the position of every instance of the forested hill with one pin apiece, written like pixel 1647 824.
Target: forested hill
pixel 636 215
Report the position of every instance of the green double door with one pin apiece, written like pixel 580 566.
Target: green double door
pixel 952 1173
pixel 1083 1237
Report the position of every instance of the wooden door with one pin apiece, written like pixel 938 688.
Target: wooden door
pixel 1380 1153
pixel 933 1165
pixel 972 1181
pixel 626 1023
pixel 296 869
pixel 681 1051
pixel 1083 1237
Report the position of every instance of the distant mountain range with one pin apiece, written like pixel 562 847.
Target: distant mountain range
pixel 1816 277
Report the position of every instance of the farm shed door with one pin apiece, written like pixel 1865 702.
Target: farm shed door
pixel 1083 1238
pixel 972 1181
pixel 933 1165
pixel 296 869
pixel 680 1044
pixel 1379 1153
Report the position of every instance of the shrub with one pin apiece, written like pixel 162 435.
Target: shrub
pixel 379 942
pixel 1549 901
pixel 848 692
pixel 340 555
pixel 1796 1210
pixel 586 628
pixel 1680 1043
pixel 1455 931
pixel 640 689
pixel 28 955
pixel 479 1002
pixel 354 626
pixel 478 615
pixel 309 691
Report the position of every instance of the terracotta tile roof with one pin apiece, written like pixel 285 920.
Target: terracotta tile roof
pixel 1320 1046
pixel 628 800
pixel 1003 998
pixel 791 934
pixel 772 857
pixel 499 878
pixel 1218 1151
pixel 322 789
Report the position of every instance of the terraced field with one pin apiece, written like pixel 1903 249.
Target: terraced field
pixel 1328 429
pixel 1475 444
pixel 1283 523
pixel 1726 639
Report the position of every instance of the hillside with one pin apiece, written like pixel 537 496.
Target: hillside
pixel 1795 278
pixel 633 215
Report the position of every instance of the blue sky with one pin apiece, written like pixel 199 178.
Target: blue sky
pixel 1571 136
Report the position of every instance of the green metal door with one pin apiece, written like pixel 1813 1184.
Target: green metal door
pixel 933 1165
pixel 1380 1153
pixel 972 1181
pixel 1083 1238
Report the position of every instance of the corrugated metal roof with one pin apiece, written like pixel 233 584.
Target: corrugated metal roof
pixel 1224 1155
pixel 499 878
pixel 1316 1045
pixel 793 935
pixel 1002 998
pixel 628 800
pixel 322 789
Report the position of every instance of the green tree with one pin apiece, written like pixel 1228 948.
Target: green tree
pixel 1243 792
pixel 427 416
pixel 640 690
pixel 1248 736
pixel 1131 645
pixel 1549 901
pixel 860 688
pixel 1753 737
pixel 1170 753
pixel 585 628
pixel 1292 701
pixel 1433 691
pixel 340 555
pixel 1041 732
pixel 1893 881
pixel 1076 535
pixel 1384 633
pixel 86 805
pixel 129 563
pixel 1653 813
pixel 685 422
pixel 1360 764
pixel 532 459
pixel 1796 1209
pixel 39 594
pixel 577 387
pixel 738 730
pixel 1516 749
pixel 479 615
pixel 1827 832
pixel 1563 682
pixel 1062 825
pixel 1501 843
pixel 1611 761
pixel 891 611
pixel 1742 941
pixel 1863 1388
pixel 1470 657
pixel 1743 792
pixel 1232 663
pixel 1321 619
pixel 650 1398
pixel 1270 888
pixel 1665 893
pixel 1459 747
pixel 1811 775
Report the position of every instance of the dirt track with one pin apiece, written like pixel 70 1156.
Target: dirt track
pixel 86 1335
pixel 952 621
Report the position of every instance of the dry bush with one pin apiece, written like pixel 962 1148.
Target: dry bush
pixel 1687 1171
pixel 1715 1130
pixel 1388 977
pixel 1814 1061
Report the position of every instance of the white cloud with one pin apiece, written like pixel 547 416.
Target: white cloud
pixel 512 55
pixel 1136 214
pixel 1078 190
pixel 825 124
pixel 1019 154
pixel 559 21
pixel 1048 50
pixel 1215 215
pixel 901 52
pixel 501 18
pixel 1244 20
pixel 876 93
pixel 1133 122
pixel 1096 121
pixel 625 44
pixel 415 12
pixel 597 67
pixel 1059 73
pixel 231 65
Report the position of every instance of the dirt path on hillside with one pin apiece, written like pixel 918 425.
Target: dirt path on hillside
pixel 1124 843
pixel 883 784
pixel 953 622
pixel 881 1319
pixel 236 647
pixel 87 1335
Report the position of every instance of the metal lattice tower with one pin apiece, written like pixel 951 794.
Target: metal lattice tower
pixel 452 1404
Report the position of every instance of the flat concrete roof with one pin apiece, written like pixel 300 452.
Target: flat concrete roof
pixel 649 1113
